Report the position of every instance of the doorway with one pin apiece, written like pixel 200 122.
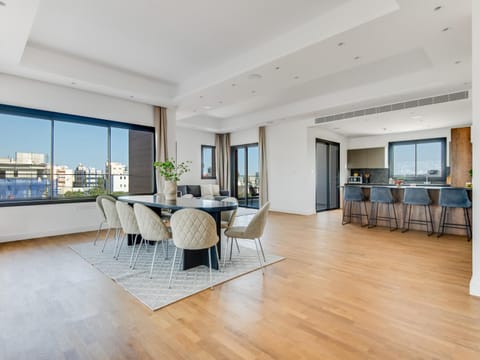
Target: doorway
pixel 245 175
pixel 327 161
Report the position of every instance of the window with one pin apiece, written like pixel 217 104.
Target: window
pixel 208 162
pixel 49 157
pixel 418 160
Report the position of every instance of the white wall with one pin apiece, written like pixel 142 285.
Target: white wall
pixel 189 144
pixel 475 282
pixel 248 136
pixel 383 140
pixel 24 222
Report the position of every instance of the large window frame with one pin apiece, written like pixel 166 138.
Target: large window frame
pixel 55 117
pixel 213 162
pixel 420 177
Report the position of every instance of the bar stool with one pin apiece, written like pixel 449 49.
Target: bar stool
pixel 454 198
pixel 353 194
pixel 382 195
pixel 416 197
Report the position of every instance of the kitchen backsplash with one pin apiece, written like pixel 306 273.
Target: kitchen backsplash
pixel 377 176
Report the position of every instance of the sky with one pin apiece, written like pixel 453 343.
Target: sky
pixel 74 143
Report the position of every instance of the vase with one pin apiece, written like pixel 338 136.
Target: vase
pixel 170 190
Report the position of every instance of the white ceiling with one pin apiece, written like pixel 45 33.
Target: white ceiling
pixel 199 55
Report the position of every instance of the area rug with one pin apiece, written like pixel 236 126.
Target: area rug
pixel 154 293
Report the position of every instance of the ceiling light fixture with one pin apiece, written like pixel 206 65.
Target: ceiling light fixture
pixel 445 29
pixel 220 102
pixel 277 68
pixel 74 83
pixel 3 3
pixel 254 92
pixel 356 58
pixel 341 43
pixel 437 8
pixel 234 84
pixel 296 77
pixel 201 96
pixel 458 62
pixel 254 77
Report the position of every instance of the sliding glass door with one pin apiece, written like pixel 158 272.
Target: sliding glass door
pixel 245 178
pixel 327 175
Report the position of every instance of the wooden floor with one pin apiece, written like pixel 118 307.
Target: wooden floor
pixel 344 292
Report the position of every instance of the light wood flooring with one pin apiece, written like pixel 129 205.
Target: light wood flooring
pixel 344 292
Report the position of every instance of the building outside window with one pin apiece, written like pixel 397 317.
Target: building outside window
pixel 56 157
pixel 208 162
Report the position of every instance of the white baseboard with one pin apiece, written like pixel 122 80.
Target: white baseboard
pixel 475 286
pixel 28 236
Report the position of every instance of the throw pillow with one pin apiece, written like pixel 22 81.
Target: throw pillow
pixel 216 189
pixel 206 190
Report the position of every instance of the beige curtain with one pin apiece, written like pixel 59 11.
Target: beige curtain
pixel 161 145
pixel 222 157
pixel 262 165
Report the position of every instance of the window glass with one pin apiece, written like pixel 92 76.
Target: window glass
pixel 208 162
pixel 429 158
pixel 24 158
pixel 404 160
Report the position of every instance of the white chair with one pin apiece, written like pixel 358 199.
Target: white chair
pixel 194 229
pixel 113 222
pixel 228 218
pixel 253 231
pixel 102 213
pixel 129 225
pixel 151 228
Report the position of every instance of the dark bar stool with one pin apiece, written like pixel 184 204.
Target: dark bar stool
pixel 382 195
pixel 353 194
pixel 416 197
pixel 454 198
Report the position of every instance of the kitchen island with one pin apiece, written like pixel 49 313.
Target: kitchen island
pixel 455 215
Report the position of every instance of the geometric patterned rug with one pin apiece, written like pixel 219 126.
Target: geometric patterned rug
pixel 154 293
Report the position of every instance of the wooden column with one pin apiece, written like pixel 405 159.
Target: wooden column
pixel 460 156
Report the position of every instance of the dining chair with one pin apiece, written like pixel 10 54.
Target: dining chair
pixel 103 221
pixel 151 228
pixel 113 222
pixel 253 231
pixel 228 218
pixel 194 229
pixel 129 225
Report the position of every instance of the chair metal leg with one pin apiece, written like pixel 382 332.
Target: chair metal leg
pixel 231 247
pixel 431 220
pixel 373 208
pixel 261 248
pixel 116 243
pixel 210 267
pixel 171 270
pixel 344 212
pixel 467 224
pixel 366 213
pixel 138 252
pixel 218 259
pixel 106 238
pixel 442 220
pixel 225 251
pixel 395 215
pixel 133 249
pixel 153 259
pixel 258 255
pixel 238 247
pixel 405 221
pixel 120 247
pixel 98 232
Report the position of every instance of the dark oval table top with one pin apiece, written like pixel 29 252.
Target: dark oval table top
pixel 159 201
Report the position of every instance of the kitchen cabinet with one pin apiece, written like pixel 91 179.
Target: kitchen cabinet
pixel 460 156
pixel 371 158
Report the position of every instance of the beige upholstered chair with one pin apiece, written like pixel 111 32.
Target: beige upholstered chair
pixel 228 218
pixel 151 228
pixel 102 213
pixel 129 225
pixel 113 222
pixel 254 231
pixel 194 229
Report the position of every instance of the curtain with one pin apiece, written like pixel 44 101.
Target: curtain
pixel 222 160
pixel 262 165
pixel 161 145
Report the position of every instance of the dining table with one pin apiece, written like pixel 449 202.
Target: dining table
pixel 158 203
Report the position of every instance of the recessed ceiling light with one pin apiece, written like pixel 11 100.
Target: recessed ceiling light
pixel 341 43
pixel 194 110
pixel 254 77
pixel 445 29
pixel 277 68
pixel 458 62
pixel 220 102
pixel 254 92
pixel 74 83
pixel 3 3
pixel 437 8
pixel 234 84
pixel 356 58
pixel 296 77
pixel 131 96
pixel 207 107
pixel 201 96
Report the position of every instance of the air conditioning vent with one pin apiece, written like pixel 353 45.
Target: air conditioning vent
pixel 462 95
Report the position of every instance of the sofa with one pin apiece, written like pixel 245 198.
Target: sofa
pixel 200 191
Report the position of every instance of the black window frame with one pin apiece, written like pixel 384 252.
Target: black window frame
pixel 214 162
pixel 53 117
pixel 439 178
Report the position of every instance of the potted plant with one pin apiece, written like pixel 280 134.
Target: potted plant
pixel 171 171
